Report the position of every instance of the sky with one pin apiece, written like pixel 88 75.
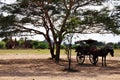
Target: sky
pixel 99 37
pixel 8 1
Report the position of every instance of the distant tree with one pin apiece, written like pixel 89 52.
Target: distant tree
pixel 43 45
pixel 21 43
pixel 2 45
pixel 116 46
pixel 35 44
pixel 110 44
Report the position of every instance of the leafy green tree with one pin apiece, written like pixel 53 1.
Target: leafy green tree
pixel 56 18
pixel 62 47
pixel 116 46
pixel 2 44
pixel 35 44
pixel 21 43
pixel 40 45
pixel 43 45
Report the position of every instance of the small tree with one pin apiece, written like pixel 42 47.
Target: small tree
pixel 68 50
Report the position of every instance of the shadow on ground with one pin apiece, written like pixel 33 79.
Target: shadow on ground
pixel 47 67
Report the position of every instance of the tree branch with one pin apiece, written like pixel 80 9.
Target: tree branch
pixel 30 30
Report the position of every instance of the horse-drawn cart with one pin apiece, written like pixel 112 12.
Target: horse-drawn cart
pixel 83 50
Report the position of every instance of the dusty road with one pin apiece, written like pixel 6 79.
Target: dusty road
pixel 39 67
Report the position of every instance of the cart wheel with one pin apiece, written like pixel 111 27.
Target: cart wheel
pixel 93 60
pixel 80 58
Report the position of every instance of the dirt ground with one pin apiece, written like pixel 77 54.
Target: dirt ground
pixel 40 67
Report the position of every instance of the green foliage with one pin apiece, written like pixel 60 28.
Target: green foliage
pixel 62 47
pixel 116 46
pixel 36 44
pixel 102 18
pixel 57 11
pixel 73 23
pixel 24 3
pixel 74 46
pixel 2 44
pixel 43 45
pixel 26 20
pixel 7 21
pixel 20 42
pixel 40 45
pixel 6 25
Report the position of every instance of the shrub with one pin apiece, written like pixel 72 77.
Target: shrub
pixel 62 47
pixel 2 44
pixel 43 45
pixel 35 44
pixel 40 45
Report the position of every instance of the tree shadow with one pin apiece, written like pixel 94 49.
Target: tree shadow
pixel 70 70
pixel 47 67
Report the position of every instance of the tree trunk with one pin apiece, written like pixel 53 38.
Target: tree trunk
pixel 69 57
pixel 57 57
pixel 52 52
pixel 51 47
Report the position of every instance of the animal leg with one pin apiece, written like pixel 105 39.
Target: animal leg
pixel 102 61
pixel 105 61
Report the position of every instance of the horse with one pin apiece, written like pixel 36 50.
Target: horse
pixel 102 52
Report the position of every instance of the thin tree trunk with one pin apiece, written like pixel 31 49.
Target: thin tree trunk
pixel 69 58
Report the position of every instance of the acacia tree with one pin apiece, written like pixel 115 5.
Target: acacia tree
pixel 115 15
pixel 51 18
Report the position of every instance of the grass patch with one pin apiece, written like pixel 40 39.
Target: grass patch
pixel 41 51
pixel 30 51
pixel 24 51
pixel 117 52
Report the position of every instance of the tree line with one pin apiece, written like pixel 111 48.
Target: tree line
pixel 35 44
pixel 22 44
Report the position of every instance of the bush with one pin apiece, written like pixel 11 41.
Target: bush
pixel 2 44
pixel 36 44
pixel 40 45
pixel 74 46
pixel 43 45
pixel 62 47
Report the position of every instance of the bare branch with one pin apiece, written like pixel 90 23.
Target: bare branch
pixel 29 30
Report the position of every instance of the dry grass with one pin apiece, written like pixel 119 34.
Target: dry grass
pixel 41 51
pixel 117 52
pixel 24 51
